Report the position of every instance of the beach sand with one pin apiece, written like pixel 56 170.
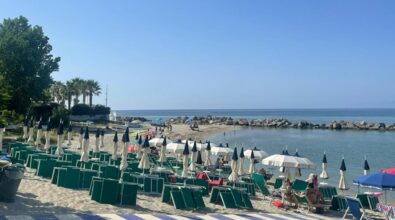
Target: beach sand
pixel 38 196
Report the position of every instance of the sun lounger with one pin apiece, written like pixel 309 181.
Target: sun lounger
pixel 228 200
pixel 373 201
pixel 247 201
pixel 128 194
pixel 278 183
pixel 354 207
pixel 237 198
pixel 188 198
pixel 303 201
pixel 176 198
pixel 198 198
pixel 338 203
pixel 299 186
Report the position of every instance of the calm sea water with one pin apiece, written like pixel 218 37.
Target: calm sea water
pixel 378 147
pixel 294 115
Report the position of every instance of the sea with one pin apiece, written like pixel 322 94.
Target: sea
pixel 378 147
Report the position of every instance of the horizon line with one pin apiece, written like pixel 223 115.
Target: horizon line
pixel 189 109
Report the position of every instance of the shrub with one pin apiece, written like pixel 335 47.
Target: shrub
pixel 59 113
pixel 101 110
pixel 81 109
pixel 42 110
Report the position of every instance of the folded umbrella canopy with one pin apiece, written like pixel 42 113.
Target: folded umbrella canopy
pixel 139 148
pixel 125 141
pixel 241 163
pixel 69 134
pixel 208 162
pixel 185 158
pixel 97 141
pixel 343 182
pixel 81 138
pixel 251 170
pixel 324 173
pixel 30 140
pixel 85 148
pixel 192 167
pixel 162 157
pixel 115 146
pixel 39 133
pixel 144 162
pixel 48 135
pixel 199 158
pixel 60 133
pixel 25 128
pixel 102 138
pixel 366 167
pixel 233 177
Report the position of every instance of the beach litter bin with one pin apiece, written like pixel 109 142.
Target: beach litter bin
pixel 10 178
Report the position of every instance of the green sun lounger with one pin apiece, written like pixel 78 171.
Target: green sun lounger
pixel 237 198
pixel 188 198
pixel 278 183
pixel 246 200
pixel 299 186
pixel 177 199
pixel 227 200
pixel 198 198
pixel 128 194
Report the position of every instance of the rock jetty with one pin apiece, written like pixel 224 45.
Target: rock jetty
pixel 281 123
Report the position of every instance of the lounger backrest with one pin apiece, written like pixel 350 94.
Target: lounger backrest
pixel 237 198
pixel 373 201
pixel 188 198
pixel 299 185
pixel 247 201
pixel 354 207
pixel 227 200
pixel 198 198
pixel 278 183
pixel 177 199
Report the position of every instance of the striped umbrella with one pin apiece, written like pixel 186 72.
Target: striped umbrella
pixel 60 133
pixel 185 158
pixel 251 170
pixel 39 133
pixel 115 146
pixel 97 141
pixel 48 135
pixel 241 162
pixel 85 148
pixel 192 167
pixel 233 177
pixel 69 134
pixel 102 138
pixel 324 173
pixel 343 182
pixel 366 167
pixel 125 141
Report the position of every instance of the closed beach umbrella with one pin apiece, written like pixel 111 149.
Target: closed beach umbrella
pixel 162 157
pixel 60 133
pixel 298 171
pixel 185 158
pixel 366 167
pixel 30 140
pixel 39 133
pixel 199 158
pixel 115 146
pixel 241 162
pixel 102 138
pixel 125 142
pixel 2 130
pixel 97 141
pixel 233 177
pixel 343 182
pixel 69 134
pixel 81 138
pixel 48 135
pixel 227 156
pixel 207 162
pixel 192 167
pixel 139 148
pixel 259 154
pixel 251 170
pixel 144 162
pixel 324 173
pixel 25 129
pixel 85 148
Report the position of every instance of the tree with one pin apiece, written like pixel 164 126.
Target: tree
pixel 26 63
pixel 77 88
pixel 58 92
pixel 84 90
pixel 69 93
pixel 93 88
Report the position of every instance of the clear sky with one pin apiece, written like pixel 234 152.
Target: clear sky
pixel 223 54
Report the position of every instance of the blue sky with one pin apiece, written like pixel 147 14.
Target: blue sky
pixel 223 54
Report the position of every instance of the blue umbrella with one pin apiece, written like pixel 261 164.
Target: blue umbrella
pixel 383 181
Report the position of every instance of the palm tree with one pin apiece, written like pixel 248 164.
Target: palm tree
pixel 77 88
pixel 69 91
pixel 57 91
pixel 84 90
pixel 93 88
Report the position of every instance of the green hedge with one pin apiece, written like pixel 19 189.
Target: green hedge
pixel 82 109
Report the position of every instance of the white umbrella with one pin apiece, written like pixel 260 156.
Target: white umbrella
pixel 25 129
pixel 175 148
pixel 192 167
pixel 221 151
pixel 48 135
pixel 279 160
pixel 233 177
pixel 208 162
pixel 30 140
pixel 298 171
pixel 39 134
pixel 157 142
pixel 259 154
pixel 69 135
pixel 59 150
pixel 162 157
pixel 144 162
pixel 81 138
pixel 139 148
pixel 2 130
pixel 251 170
pixel 366 167
pixel 185 158
pixel 324 173
pixel 97 141
pixel 85 147
pixel 102 138
pixel 115 146
pixel 124 160
pixel 343 182
pixel 241 163
pixel 227 156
